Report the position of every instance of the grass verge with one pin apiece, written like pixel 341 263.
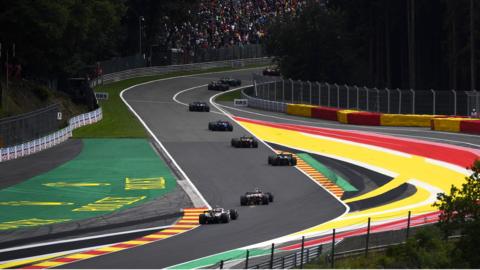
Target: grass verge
pixel 118 121
pixel 230 96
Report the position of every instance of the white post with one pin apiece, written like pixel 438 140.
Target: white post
pixel 328 93
pixel 413 101
pixel 319 94
pixel 291 82
pixel 338 95
pixel 255 88
pixel 275 91
pixel 368 97
pixel 310 85
pixel 283 90
pixel 388 99
pixel 301 91
pixel 348 96
pixel 399 100
pixel 434 105
pixel 454 102
pixel 378 99
pixel 358 97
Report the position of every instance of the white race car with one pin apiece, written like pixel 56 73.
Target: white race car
pixel 217 215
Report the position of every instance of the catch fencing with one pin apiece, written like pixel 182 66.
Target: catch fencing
pixel 158 57
pixel 29 126
pixel 50 140
pixel 394 101
pixel 357 238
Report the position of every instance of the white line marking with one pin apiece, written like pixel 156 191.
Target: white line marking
pixel 56 254
pixel 183 174
pixel 82 238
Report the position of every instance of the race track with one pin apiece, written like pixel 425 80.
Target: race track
pixel 222 173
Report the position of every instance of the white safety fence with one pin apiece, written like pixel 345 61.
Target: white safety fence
pixel 31 147
pixel 263 104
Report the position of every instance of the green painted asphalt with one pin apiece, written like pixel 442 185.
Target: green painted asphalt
pixel 338 180
pixel 231 255
pixel 107 176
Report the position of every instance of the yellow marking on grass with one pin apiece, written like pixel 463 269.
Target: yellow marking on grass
pixel 15 224
pixel 109 204
pixel 67 184
pixel 33 203
pixel 144 183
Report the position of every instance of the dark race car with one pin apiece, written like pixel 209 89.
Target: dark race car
pixel 244 142
pixel 282 159
pixel 231 81
pixel 218 86
pixel 220 125
pixel 271 72
pixel 198 107
pixel 256 197
pixel 217 215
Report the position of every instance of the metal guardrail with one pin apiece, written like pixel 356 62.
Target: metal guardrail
pixel 394 101
pixel 28 126
pixel 152 71
pixel 48 141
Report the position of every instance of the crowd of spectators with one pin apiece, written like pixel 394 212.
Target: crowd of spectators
pixel 223 23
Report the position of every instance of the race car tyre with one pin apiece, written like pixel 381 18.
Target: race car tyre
pixel 255 144
pixel 202 219
pixel 243 200
pixel 234 142
pixel 224 218
pixel 270 196
pixel 210 126
pixel 230 128
pixel 190 108
pixel 270 160
pixel 294 162
pixel 265 200
pixel 233 214
pixel 207 110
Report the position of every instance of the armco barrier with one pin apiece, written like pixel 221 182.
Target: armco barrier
pixel 159 70
pixel 300 109
pixel 342 115
pixel 364 118
pixel 406 120
pixel 470 126
pixel 325 113
pixel 446 124
pixel 51 140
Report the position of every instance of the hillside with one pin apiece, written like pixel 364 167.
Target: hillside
pixel 25 96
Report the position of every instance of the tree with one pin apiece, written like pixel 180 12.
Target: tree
pixel 310 45
pixel 461 212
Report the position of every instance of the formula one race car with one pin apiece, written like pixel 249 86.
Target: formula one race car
pixel 282 159
pixel 197 106
pixel 218 86
pixel 231 81
pixel 244 142
pixel 220 125
pixel 271 72
pixel 217 215
pixel 256 197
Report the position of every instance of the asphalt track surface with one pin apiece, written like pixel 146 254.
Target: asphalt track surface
pixel 222 174
pixel 18 170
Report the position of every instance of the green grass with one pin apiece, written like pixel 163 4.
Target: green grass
pixel 118 121
pixel 230 96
